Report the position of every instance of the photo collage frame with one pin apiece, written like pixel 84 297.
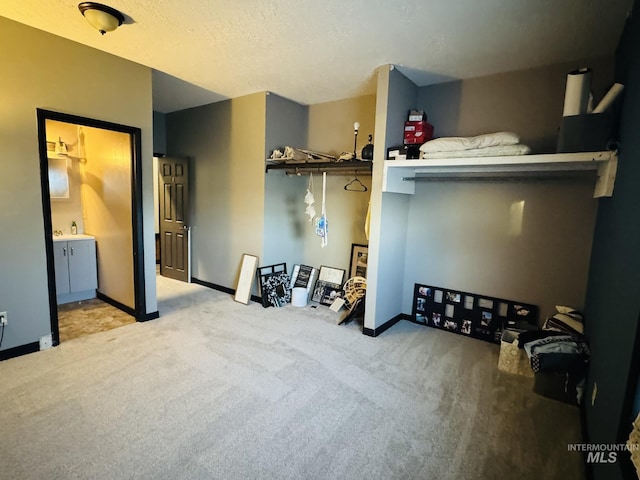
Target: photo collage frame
pixel 477 316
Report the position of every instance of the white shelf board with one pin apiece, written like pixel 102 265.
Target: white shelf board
pixel 399 175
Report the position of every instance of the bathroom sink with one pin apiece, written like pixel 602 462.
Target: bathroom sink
pixel 68 237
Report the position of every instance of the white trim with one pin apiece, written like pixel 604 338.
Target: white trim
pixel 398 173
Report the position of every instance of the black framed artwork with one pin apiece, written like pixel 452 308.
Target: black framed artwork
pixel 359 260
pixel 329 279
pixel 303 276
pixel 470 314
pixel 275 285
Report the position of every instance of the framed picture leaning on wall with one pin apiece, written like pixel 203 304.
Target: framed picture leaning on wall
pixel 359 260
pixel 329 279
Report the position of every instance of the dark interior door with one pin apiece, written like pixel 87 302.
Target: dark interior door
pixel 174 220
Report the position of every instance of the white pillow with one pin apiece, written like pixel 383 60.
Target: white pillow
pixel 453 144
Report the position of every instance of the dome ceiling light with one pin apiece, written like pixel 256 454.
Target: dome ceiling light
pixel 101 17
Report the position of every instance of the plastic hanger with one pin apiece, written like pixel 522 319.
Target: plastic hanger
pixel 359 186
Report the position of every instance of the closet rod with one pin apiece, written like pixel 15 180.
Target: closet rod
pixel 343 172
pixel 497 177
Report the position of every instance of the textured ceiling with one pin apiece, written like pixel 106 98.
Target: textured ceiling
pixel 313 51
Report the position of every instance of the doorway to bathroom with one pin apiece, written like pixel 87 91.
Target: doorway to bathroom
pixel 92 208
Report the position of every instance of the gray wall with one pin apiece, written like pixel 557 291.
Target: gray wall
pixel 527 102
pixel 387 242
pixel 326 127
pixel 225 142
pixel 460 234
pixel 331 131
pixel 125 98
pixel 464 236
pixel 613 297
pixel 236 208
pixel 159 133
pixel 286 124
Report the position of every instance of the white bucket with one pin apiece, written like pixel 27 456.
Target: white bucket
pixel 299 297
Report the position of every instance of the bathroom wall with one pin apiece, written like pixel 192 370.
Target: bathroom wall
pixel 106 202
pixel 99 168
pixel 66 210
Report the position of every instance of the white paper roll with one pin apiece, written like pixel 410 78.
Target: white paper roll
pixel 576 96
pixel 609 98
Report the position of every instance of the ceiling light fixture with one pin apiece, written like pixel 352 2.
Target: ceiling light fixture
pixel 101 17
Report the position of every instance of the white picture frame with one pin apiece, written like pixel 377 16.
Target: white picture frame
pixel 245 280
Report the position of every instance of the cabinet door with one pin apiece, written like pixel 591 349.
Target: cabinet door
pixel 82 265
pixel 61 265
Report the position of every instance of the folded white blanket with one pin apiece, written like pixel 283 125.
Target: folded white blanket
pixel 451 144
pixel 497 151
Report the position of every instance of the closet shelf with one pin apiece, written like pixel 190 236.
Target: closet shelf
pixel 400 176
pixel 343 167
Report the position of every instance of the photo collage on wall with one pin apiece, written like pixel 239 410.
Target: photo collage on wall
pixel 477 316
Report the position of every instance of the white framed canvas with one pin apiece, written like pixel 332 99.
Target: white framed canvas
pixel 247 271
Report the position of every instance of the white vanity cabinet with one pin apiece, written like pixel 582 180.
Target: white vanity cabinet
pixel 75 267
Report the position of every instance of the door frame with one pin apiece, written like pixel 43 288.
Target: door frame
pixel 135 134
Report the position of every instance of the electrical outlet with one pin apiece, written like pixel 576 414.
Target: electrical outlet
pixel 4 318
pixel 46 342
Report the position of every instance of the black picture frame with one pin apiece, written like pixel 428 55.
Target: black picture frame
pixel 331 274
pixel 302 276
pixel 359 260
pixel 327 277
pixel 470 314
pixel 266 286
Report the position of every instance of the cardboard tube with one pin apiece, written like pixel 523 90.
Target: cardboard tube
pixel 609 98
pixel 576 97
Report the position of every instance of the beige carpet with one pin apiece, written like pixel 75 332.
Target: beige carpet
pixel 215 389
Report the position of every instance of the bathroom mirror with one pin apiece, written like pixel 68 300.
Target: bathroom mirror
pixel 58 178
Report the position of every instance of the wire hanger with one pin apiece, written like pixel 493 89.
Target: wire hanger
pixel 356 186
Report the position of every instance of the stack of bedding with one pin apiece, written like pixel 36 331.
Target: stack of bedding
pixel 486 145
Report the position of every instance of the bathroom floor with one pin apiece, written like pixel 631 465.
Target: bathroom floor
pixel 77 319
